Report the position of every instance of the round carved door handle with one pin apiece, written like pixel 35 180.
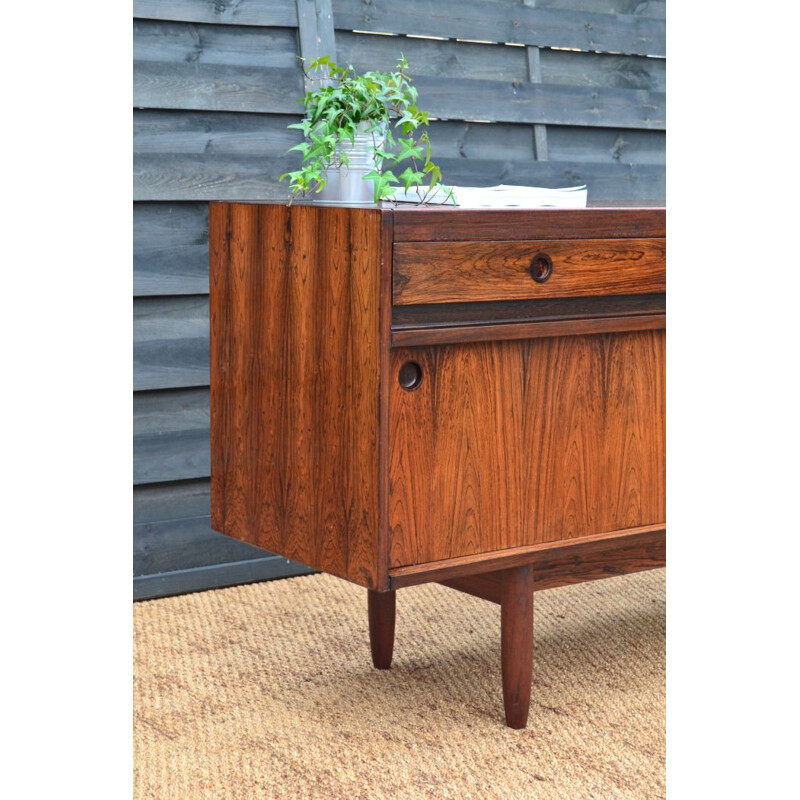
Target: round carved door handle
pixel 410 376
pixel 541 267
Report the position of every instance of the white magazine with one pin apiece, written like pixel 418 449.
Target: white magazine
pixel 502 196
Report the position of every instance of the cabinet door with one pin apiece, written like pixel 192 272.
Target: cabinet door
pixel 495 445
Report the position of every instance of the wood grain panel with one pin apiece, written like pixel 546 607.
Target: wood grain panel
pixel 294 373
pixel 432 224
pixel 527 330
pixel 511 444
pixel 566 550
pixel 432 272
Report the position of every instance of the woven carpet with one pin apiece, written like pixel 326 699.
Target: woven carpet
pixel 268 691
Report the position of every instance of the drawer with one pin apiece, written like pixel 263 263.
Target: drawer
pixel 447 272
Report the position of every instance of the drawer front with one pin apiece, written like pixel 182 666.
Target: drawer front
pixel 448 272
pixel 498 445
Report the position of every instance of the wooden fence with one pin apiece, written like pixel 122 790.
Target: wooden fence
pixel 541 92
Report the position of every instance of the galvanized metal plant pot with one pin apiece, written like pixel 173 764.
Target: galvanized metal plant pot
pixel 345 182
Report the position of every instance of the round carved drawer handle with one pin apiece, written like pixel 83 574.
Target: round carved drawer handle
pixel 410 376
pixel 541 267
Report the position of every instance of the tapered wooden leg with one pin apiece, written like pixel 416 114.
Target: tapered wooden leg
pixel 516 642
pixel 381 607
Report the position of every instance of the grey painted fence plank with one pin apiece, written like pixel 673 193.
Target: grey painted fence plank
pixel 430 57
pixel 535 76
pixel 173 456
pixel 560 67
pixel 207 132
pixel 212 155
pixel 181 65
pixel 224 12
pixel 171 439
pixel 609 145
pixel 315 30
pixel 455 170
pixel 544 103
pixel 506 22
pixel 175 411
pixel 215 87
pixel 173 500
pixel 216 576
pixel 185 544
pixel 453 59
pixel 605 181
pixel 170 248
pixel 468 140
pixel 178 133
pixel 170 342
pixel 197 44
pixel 181 177
pixel 222 88
pixel 642 8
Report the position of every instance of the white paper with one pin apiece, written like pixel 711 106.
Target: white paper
pixel 502 196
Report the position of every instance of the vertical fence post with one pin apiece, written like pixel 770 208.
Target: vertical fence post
pixel 535 76
pixel 315 26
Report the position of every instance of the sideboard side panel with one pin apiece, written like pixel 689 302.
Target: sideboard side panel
pixel 294 304
pixel 510 444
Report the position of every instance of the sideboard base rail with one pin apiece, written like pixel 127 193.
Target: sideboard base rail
pixel 556 563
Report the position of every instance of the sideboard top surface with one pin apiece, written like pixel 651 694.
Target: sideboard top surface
pixel 418 223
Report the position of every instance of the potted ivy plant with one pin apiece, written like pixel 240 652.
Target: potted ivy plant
pixel 359 132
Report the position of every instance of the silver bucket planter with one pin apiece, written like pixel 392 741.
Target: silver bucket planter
pixel 345 183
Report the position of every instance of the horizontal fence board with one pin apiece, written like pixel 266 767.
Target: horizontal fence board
pixel 593 145
pixel 493 101
pixel 560 67
pixel 175 500
pixel 214 87
pixel 216 576
pixel 468 140
pixel 643 8
pixel 605 181
pixel 541 103
pixel 195 66
pixel 222 80
pixel 212 155
pixel 451 59
pixel 430 57
pixel 170 248
pixel 182 43
pixel 514 142
pixel 171 439
pixel 509 22
pixel 206 133
pixel 223 12
pixel 185 544
pixel 609 179
pixel 172 173
pixel 170 342
pixel 183 177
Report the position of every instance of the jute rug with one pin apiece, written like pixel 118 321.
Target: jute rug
pixel 267 691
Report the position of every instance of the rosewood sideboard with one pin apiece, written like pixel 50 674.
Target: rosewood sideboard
pixel 473 397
